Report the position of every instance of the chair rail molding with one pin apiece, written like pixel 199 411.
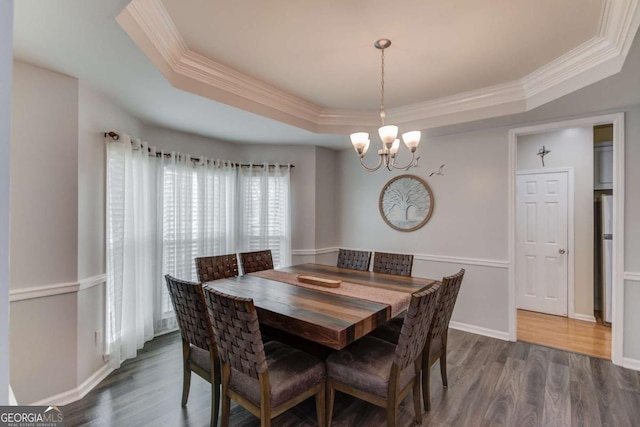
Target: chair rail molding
pixel 419 257
pixel 631 276
pixel 42 291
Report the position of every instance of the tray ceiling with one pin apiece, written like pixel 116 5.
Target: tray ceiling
pixel 312 64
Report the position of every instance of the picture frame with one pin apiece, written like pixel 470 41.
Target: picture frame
pixel 406 203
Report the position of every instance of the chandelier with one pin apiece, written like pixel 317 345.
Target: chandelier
pixel 388 133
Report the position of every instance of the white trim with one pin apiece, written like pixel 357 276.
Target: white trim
pixel 464 261
pixel 617 336
pixel 90 282
pixel 150 26
pixel 629 363
pixel 22 294
pixel 571 311
pixel 479 330
pixel 617 257
pixel 79 392
pixel 42 291
pixel 308 252
pixel 583 317
pixel 632 277
pixel 417 257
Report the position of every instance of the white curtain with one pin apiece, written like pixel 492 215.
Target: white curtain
pixel 164 211
pixel 131 246
pixel 198 219
pixel 264 211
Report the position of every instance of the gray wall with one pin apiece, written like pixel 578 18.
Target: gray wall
pixel 570 148
pixel 468 226
pixel 6 47
pixel 44 230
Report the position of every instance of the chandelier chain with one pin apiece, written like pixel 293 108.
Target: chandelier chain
pixel 382 112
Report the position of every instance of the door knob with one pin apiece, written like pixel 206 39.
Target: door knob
pixel 561 251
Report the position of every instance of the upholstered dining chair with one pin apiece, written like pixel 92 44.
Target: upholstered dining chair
pixel 398 264
pixel 198 343
pixel 355 260
pixel 436 345
pixel 380 372
pixel 256 261
pixel 216 267
pixel 266 379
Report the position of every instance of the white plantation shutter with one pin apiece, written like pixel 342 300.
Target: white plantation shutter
pixel 265 212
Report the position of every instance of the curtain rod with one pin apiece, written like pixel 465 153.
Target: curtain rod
pixel 116 137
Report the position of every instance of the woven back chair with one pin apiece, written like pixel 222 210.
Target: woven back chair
pixel 256 261
pixel 355 260
pixel 380 372
pixel 398 264
pixel 266 379
pixel 436 345
pixel 216 267
pixel 198 342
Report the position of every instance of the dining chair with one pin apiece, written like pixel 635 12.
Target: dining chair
pixel 266 379
pixel 199 353
pixel 397 264
pixel 216 267
pixel 436 345
pixel 256 261
pixel 355 260
pixel 380 372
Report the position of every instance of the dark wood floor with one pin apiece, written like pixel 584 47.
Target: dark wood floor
pixel 491 383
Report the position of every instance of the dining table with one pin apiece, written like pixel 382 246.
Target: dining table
pixel 331 317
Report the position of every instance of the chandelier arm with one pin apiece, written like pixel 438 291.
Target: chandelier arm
pixel 412 163
pixel 373 169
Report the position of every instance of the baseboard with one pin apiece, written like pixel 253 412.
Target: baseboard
pixel 583 317
pixel 79 392
pixel 631 363
pixel 478 330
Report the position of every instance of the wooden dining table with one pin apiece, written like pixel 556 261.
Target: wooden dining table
pixel 331 317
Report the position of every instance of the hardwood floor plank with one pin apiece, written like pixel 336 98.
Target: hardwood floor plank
pixel 501 408
pixel 491 383
pixel 584 404
pixel 530 404
pixel 557 401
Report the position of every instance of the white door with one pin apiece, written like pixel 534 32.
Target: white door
pixel 541 242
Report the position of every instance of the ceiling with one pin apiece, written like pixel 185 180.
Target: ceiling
pixel 307 72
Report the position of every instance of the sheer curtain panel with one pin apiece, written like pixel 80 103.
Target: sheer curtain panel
pixel 264 211
pixel 131 247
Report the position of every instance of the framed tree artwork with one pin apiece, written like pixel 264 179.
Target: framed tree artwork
pixel 406 203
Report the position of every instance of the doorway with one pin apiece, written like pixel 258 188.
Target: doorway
pixel 582 308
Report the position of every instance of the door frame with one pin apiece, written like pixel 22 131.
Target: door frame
pixel 617 332
pixel 570 233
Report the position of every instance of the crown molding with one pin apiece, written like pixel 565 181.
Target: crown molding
pixel 148 23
